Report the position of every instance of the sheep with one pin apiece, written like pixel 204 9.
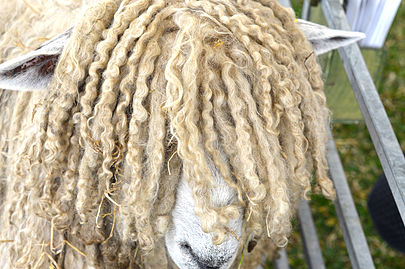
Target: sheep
pixel 187 128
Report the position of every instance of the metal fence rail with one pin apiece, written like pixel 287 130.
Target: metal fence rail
pixel 349 221
pixel 313 253
pixel 282 261
pixel 381 132
pixel 385 143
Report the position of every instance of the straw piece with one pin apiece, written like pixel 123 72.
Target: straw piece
pixel 112 228
pixel 168 163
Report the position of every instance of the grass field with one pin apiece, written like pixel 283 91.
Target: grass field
pixel 362 166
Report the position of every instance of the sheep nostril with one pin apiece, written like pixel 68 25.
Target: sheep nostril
pixel 185 246
pixel 209 263
pixel 209 267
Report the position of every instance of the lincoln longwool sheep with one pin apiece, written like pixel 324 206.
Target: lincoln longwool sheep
pixel 156 133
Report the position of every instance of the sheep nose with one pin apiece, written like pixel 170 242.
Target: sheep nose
pixel 212 262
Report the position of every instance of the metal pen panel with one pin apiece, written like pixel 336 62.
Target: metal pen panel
pixel 305 10
pixel 349 221
pixel 282 261
pixel 285 3
pixel 378 124
pixel 312 249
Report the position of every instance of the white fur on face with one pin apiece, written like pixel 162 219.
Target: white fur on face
pixel 188 246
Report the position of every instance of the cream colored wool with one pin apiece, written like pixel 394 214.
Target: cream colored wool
pixel 26 24
pixel 143 91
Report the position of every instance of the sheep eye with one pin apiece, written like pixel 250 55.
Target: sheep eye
pixel 251 245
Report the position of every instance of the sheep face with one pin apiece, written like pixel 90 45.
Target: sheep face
pixel 188 245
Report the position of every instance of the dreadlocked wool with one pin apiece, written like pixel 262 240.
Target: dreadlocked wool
pixel 144 91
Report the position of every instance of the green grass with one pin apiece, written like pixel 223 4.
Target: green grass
pixel 362 166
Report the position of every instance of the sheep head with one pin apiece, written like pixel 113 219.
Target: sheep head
pixel 202 118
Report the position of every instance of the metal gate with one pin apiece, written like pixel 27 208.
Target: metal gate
pixel 386 146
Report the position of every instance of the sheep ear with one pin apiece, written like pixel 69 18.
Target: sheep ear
pixel 34 70
pixel 324 39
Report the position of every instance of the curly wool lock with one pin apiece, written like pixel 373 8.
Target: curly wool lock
pixel 145 91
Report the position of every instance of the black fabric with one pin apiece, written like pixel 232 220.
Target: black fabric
pixel 385 215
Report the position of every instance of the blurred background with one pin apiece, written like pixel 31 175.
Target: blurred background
pixel 360 160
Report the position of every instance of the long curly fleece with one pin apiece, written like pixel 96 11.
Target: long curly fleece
pixel 144 91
